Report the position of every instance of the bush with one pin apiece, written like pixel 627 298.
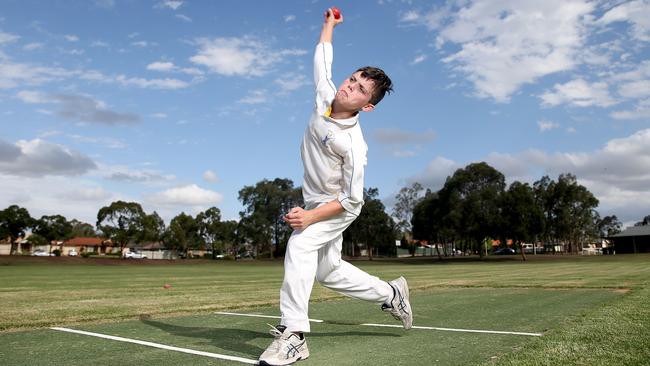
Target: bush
pixel 85 254
pixel 57 252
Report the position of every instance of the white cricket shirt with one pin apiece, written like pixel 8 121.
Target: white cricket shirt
pixel 333 150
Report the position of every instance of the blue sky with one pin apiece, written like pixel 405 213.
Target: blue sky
pixel 180 104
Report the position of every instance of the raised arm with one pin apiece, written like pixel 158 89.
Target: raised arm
pixel 323 56
pixel 328 26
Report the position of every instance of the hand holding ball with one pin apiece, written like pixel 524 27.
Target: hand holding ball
pixel 335 11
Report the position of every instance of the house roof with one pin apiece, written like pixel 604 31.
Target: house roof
pixel 84 241
pixel 634 231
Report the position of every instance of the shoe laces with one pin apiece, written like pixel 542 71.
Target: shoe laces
pixel 275 331
pixel 391 311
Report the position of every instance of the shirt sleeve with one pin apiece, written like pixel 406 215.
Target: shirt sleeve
pixel 325 89
pixel 354 161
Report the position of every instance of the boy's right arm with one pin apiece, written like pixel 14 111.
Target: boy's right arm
pixel 328 27
pixel 325 89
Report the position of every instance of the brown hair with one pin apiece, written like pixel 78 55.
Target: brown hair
pixel 382 83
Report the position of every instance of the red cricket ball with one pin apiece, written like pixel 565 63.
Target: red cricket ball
pixel 335 11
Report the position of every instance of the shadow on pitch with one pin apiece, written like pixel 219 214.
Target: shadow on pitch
pixel 239 340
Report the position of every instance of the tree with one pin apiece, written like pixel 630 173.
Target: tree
pixel 14 221
pixel 644 222
pixel 121 222
pixel 229 234
pixel 522 219
pixel 542 189
pixel 573 212
pixel 183 233
pixel 264 206
pixel 608 226
pixel 406 200
pixel 152 228
pixel 472 194
pixel 81 229
pixel 209 228
pixel 374 227
pixel 54 227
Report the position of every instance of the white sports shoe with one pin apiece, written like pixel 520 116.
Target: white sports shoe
pixel 285 349
pixel 400 306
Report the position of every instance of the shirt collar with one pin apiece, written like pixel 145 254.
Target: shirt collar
pixel 349 122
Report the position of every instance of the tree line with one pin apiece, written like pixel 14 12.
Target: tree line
pixel 474 206
pixel 260 224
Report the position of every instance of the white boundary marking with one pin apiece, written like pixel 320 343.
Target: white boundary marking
pixel 158 345
pixel 399 326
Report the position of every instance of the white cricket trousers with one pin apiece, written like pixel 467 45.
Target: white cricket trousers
pixel 315 253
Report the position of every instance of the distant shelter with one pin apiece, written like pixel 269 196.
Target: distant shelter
pixel 635 239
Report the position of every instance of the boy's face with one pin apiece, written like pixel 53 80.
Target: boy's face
pixel 354 93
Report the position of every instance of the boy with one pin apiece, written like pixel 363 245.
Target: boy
pixel 333 154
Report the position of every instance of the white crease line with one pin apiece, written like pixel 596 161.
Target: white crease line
pixel 158 345
pixel 456 330
pixel 263 316
pixel 399 326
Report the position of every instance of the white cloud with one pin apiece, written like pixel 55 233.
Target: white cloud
pixel 166 83
pixel 289 18
pixel 436 173
pixel 33 97
pixel 171 4
pixel 579 93
pixel 99 44
pixel 633 12
pixel 110 142
pixel 161 66
pixel 291 82
pixel 159 115
pixel 635 89
pixel 166 66
pixel 418 59
pixel 87 194
pixel 14 74
pixel 641 111
pixel 126 174
pixel 8 38
pixel 255 97
pixel 545 125
pixel 33 46
pixel 189 195
pixel 404 153
pixel 37 158
pixel 246 56
pixel 80 108
pixel 184 18
pixel 510 43
pixel 73 198
pixel 210 176
pixel 71 38
pixel 141 44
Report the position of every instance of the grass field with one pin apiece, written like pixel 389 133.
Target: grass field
pixel 590 310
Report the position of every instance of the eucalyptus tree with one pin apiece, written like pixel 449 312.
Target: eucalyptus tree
pixel 14 222
pixel 121 222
